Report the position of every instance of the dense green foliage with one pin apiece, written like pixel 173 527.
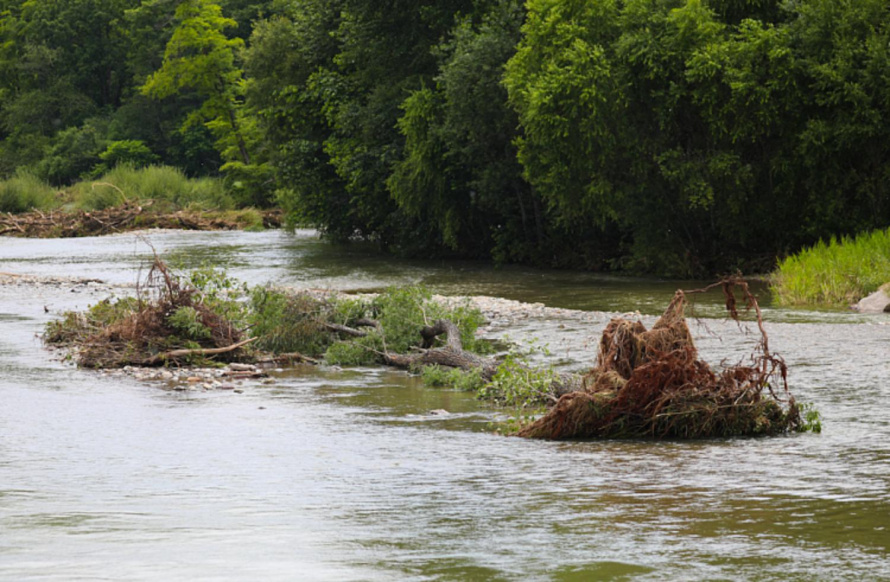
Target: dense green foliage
pixel 672 136
pixel 838 273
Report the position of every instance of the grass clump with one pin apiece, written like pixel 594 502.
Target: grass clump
pixel 834 274
pixel 168 187
pixel 24 192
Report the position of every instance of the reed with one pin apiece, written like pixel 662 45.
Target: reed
pixel 834 274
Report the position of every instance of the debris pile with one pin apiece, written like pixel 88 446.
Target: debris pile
pixel 126 217
pixel 168 322
pixel 651 383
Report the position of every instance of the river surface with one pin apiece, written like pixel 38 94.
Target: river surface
pixel 333 474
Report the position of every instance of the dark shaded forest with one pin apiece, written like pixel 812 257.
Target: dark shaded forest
pixel 679 137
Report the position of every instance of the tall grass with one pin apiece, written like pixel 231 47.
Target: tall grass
pixel 167 186
pixel 835 274
pixel 24 192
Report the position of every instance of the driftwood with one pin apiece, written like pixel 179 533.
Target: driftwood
pixel 652 383
pixel 353 331
pixel 177 354
pixel 126 217
pixel 290 358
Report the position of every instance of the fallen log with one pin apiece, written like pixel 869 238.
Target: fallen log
pixel 289 358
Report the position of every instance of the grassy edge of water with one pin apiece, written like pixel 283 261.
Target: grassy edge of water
pixel 168 187
pixel 834 274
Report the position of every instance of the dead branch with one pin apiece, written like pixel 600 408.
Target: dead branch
pixel 174 354
pixel 289 358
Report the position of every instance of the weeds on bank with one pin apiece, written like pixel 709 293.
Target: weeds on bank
pixel 168 188
pixel 24 192
pixel 834 274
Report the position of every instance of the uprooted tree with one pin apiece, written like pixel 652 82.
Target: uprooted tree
pixel 646 383
pixel 652 383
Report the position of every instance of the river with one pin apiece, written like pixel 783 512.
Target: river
pixel 332 474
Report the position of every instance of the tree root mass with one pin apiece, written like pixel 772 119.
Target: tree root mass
pixel 651 383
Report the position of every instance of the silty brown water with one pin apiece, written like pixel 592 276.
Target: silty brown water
pixel 345 475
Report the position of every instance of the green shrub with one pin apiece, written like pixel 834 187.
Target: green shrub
pixel 287 322
pixel 404 311
pixel 363 351
pixel 24 192
pixel 187 321
pixel 220 293
pixel 465 381
pixel 835 274
pixel 518 384
pixel 74 152
pixel 131 152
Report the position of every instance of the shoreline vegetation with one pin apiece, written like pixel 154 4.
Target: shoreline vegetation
pixel 124 199
pixel 646 383
pixel 835 274
pixel 681 138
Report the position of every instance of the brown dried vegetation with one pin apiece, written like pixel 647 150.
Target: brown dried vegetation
pixel 143 332
pixel 128 217
pixel 651 383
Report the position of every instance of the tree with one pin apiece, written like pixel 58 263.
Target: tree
pixel 200 58
pixel 459 171
pixel 287 65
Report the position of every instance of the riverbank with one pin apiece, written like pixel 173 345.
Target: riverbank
pixel 132 217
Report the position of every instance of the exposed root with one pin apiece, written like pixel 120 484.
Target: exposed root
pixel 650 383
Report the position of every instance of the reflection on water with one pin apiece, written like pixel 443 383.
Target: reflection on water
pixel 346 475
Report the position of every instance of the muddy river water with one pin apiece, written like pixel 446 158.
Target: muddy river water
pixel 332 474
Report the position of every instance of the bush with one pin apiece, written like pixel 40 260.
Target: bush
pixel 835 274
pixel 130 152
pixel 287 323
pixel 24 192
pixel 74 152
pixel 404 311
